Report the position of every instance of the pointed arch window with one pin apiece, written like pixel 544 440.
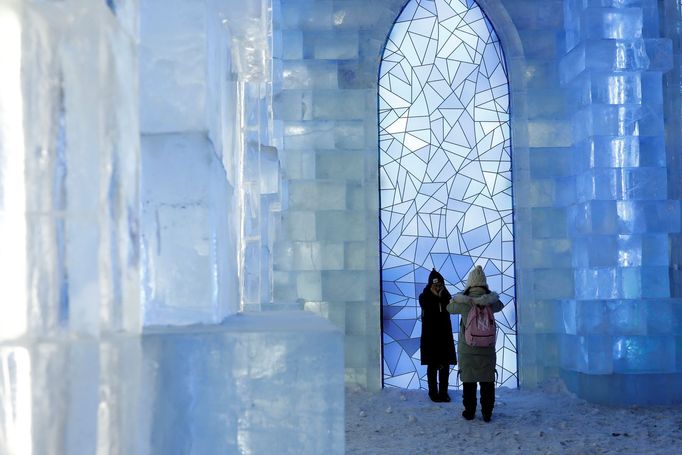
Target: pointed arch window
pixel 445 174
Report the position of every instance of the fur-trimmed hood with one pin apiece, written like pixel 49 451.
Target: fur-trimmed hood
pixel 485 299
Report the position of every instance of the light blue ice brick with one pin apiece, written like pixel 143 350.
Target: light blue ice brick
pixel 612 3
pixel 546 315
pixel 292 44
pixel 655 282
pixel 611 23
pixel 627 317
pixel 630 250
pixel 635 217
pixel 611 55
pixel 618 120
pixel 551 162
pixel 676 311
pixel 595 251
pixel 597 283
pixel 550 252
pixel 605 87
pixel 339 104
pixel 616 88
pixel 539 43
pixel 652 87
pixel 293 105
pixel 553 283
pixel 549 133
pixel 568 351
pixel 655 249
pixel 592 318
pixel 349 166
pixel 660 317
pixel 307 74
pixel 349 135
pixel 593 217
pixel 341 225
pixel 307 15
pixel 568 317
pixel 639 354
pixel 334 45
pixel 309 135
pixel 564 192
pixel 317 195
pixel 603 217
pixel 548 222
pixel 652 151
pixel 595 355
pixel 548 103
pixel 608 152
pixel 629 282
pixel 660 54
pixel 622 184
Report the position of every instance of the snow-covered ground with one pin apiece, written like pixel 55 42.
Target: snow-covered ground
pixel 546 421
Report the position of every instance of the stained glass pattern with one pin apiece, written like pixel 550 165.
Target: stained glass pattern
pixel 445 175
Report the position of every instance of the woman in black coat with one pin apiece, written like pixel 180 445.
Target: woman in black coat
pixel 437 344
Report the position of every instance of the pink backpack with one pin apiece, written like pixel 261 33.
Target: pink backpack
pixel 480 329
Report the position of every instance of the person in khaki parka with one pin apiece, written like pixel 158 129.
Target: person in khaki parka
pixel 476 364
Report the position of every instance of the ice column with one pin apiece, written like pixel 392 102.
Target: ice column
pixel 251 25
pixel 69 256
pixel 618 344
pixel 190 204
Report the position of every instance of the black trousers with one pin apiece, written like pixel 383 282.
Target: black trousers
pixel 442 373
pixel 487 397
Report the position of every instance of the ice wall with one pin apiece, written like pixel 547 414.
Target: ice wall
pixel 328 255
pixel 565 266
pixel 69 228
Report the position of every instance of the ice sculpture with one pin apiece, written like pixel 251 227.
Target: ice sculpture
pixel 445 173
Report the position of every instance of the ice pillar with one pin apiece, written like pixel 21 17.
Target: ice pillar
pixel 69 274
pixel 618 342
pixel 190 204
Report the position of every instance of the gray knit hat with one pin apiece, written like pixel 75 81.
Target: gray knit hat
pixel 477 278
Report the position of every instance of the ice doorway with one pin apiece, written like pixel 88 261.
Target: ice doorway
pixel 445 175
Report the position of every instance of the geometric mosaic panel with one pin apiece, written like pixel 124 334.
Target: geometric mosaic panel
pixel 445 175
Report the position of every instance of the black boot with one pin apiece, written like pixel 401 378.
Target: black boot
pixel 469 400
pixel 431 373
pixel 487 400
pixel 443 376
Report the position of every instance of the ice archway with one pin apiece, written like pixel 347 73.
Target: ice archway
pixel 445 173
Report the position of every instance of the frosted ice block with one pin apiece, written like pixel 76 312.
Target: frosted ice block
pixel 186 232
pixel 173 59
pixel 219 388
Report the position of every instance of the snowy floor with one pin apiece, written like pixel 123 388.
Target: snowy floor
pixel 548 421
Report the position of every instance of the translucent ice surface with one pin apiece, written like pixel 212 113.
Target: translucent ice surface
pixel 257 382
pixel 187 236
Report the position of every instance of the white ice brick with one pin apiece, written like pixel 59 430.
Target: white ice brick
pixel 173 61
pixel 187 232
